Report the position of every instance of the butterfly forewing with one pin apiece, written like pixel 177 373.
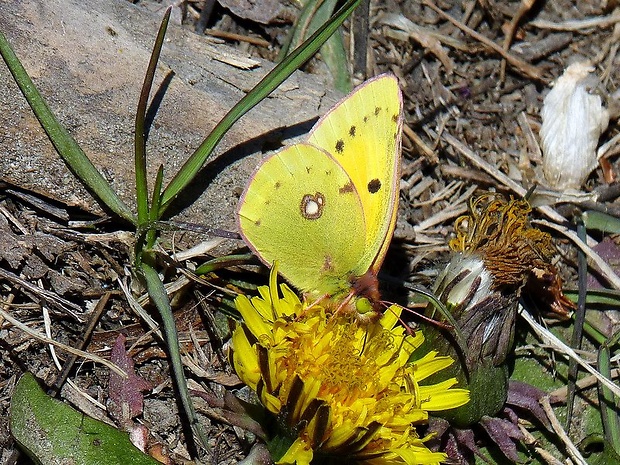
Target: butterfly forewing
pixel 363 134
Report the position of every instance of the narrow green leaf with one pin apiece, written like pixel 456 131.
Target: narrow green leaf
pixel 224 262
pixel 157 293
pixel 601 222
pixel 71 153
pixel 597 296
pixel 579 318
pixel 140 128
pixel 313 15
pixel 608 403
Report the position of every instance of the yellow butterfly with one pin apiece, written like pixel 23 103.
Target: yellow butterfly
pixel 325 209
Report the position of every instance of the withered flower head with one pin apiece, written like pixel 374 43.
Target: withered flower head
pixel 498 253
pixel 573 119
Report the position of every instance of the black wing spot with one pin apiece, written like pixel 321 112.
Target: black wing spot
pixel 352 130
pixel 377 110
pixel 339 146
pixel 374 186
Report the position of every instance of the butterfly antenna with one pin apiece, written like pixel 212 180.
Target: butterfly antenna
pixel 441 308
pixel 417 314
pixel 388 306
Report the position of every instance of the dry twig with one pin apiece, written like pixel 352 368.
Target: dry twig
pixel 527 69
pixel 46 340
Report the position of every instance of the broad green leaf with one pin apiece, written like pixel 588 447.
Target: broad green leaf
pixel 52 432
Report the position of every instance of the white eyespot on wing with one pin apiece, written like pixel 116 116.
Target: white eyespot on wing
pixel 312 206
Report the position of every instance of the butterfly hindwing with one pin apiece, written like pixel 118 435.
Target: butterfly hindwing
pixel 302 209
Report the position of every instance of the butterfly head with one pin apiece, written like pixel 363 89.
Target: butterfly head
pixel 365 296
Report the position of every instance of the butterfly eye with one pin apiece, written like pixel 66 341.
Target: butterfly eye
pixel 363 305
pixel 312 206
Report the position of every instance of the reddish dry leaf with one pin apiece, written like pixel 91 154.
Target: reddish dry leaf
pixel 125 394
pixel 503 433
pixel 609 251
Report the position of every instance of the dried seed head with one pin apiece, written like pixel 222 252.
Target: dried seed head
pixel 498 252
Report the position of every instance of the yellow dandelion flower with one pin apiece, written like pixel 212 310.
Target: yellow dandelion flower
pixel 339 387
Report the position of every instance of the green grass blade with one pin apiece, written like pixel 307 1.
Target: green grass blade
pixel 580 316
pixel 601 222
pixel 224 262
pixel 148 235
pixel 608 297
pixel 157 187
pixel 594 332
pixel 335 56
pixel 294 37
pixel 267 85
pixel 608 404
pixel 157 293
pixel 140 127
pixel 71 153
pixel 314 14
